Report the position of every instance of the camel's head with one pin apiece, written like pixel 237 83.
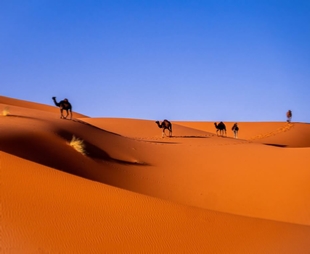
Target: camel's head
pixel 158 123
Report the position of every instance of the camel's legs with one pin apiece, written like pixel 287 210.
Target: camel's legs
pixel 164 133
pixel 62 115
pixel 66 114
pixel 236 134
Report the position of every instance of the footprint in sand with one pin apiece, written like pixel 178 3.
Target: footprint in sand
pixel 285 128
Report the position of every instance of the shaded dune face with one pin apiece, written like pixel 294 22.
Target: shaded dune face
pixel 47 142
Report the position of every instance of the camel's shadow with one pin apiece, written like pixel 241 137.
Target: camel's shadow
pixel 20 116
pixel 166 140
pixel 193 136
pixel 276 145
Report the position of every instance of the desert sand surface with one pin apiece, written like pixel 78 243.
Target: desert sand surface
pixel 136 192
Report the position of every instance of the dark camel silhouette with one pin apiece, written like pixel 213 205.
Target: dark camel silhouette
pixel 64 105
pixel 235 129
pixel 220 127
pixel 165 125
pixel 289 116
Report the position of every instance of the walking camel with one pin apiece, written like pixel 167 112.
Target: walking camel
pixel 235 129
pixel 221 128
pixel 64 105
pixel 165 125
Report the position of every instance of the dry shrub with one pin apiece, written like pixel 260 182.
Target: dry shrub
pixel 5 111
pixel 78 145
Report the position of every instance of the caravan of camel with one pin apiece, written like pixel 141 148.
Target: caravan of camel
pixel 165 124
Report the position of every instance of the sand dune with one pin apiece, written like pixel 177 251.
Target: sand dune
pixel 135 191
pixel 280 134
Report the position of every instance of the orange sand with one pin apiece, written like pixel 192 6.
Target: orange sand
pixel 135 191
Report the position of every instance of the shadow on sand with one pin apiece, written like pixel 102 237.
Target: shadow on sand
pixel 189 137
pixel 276 145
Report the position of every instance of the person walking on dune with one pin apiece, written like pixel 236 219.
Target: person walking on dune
pixel 235 129
pixel 289 116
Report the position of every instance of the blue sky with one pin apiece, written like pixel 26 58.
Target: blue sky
pixel 229 60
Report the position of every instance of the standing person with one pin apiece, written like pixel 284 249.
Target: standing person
pixel 235 129
pixel 289 116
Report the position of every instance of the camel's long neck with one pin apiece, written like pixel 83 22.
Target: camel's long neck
pixel 159 125
pixel 56 103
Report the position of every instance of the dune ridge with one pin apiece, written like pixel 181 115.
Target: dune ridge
pixel 135 191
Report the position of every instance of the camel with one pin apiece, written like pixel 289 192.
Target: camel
pixel 235 129
pixel 289 116
pixel 165 125
pixel 220 127
pixel 64 105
